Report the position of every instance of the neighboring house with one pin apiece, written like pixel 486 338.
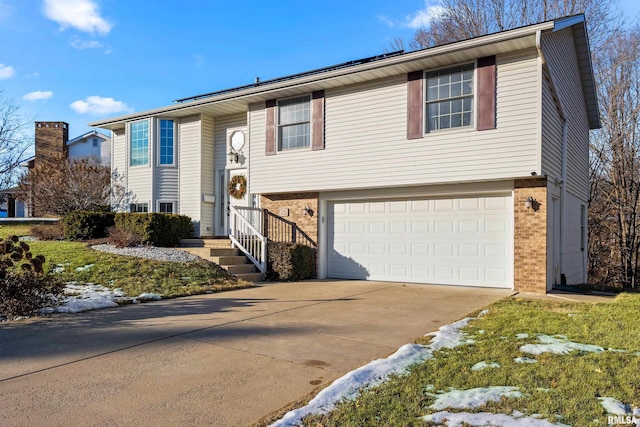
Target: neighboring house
pixel 462 164
pixel 51 142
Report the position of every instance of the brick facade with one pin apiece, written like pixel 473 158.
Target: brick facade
pixel 530 236
pixel 295 204
pixel 51 141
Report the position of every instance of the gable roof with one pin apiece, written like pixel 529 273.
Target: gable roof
pixel 235 100
pixel 87 135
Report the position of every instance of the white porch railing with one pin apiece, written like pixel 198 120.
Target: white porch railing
pixel 247 235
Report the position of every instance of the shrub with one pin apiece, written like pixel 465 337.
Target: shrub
pixel 122 238
pixel 84 225
pixel 289 261
pixel 24 288
pixel 53 231
pixel 155 228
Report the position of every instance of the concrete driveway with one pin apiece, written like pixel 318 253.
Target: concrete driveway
pixel 226 359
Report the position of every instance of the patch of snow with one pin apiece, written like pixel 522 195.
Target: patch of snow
pixel 481 331
pixel 458 419
pixel 473 398
pixel 525 360
pixel 558 344
pixel 617 350
pixel 85 267
pixel 149 297
pixel 484 365
pixel 376 372
pixel 522 336
pixel 483 312
pixel 348 386
pixel 450 336
pixel 615 407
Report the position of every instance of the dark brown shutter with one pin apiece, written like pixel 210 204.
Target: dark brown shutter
pixel 270 149
pixel 486 93
pixel 415 104
pixel 317 121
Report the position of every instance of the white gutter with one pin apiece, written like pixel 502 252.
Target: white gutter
pixel 560 181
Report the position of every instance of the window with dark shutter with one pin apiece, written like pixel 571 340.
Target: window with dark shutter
pixel 317 121
pixel 415 123
pixel 270 137
pixel 486 93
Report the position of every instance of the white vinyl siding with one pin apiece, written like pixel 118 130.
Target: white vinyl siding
pixel 551 132
pixel 119 161
pixel 366 144
pixel 189 135
pixel 560 54
pixel 207 172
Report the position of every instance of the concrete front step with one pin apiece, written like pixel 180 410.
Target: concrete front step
pixel 230 259
pixel 205 243
pixel 241 268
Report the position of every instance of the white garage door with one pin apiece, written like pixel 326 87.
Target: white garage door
pixel 452 241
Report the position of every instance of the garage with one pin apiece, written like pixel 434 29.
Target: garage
pixel 464 241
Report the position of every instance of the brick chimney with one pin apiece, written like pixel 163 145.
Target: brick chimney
pixel 51 141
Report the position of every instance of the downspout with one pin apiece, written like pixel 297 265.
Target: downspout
pixel 562 180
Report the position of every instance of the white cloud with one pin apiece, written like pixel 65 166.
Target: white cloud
pixel 82 15
pixel 423 17
pixel 85 44
pixel 6 72
pixel 38 95
pixel 99 105
pixel 420 19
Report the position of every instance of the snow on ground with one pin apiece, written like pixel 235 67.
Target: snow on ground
pixel 522 336
pixel 472 398
pixel 558 344
pixel 615 407
pixel 459 419
pixel 85 267
pixel 525 360
pixel 79 298
pixel 376 372
pixel 484 365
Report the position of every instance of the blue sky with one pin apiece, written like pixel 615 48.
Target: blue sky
pixel 83 60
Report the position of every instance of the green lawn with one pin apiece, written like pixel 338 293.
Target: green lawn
pixel 561 388
pixel 133 275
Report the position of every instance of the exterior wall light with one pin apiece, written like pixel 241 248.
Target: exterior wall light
pixel 233 156
pixel 530 203
pixel 307 211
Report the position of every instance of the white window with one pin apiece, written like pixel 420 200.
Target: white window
pixel 449 98
pixel 294 123
pixel 165 207
pixel 139 143
pixel 166 139
pixel 139 207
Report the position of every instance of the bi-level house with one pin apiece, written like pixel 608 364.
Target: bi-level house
pixel 462 164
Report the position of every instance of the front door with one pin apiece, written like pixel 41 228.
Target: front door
pixel 226 200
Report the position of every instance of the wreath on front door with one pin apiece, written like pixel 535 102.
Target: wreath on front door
pixel 237 186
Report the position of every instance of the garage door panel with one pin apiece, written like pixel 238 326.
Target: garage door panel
pixel 464 241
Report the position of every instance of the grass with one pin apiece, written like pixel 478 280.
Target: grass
pixel 562 388
pixel 17 229
pixel 133 275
